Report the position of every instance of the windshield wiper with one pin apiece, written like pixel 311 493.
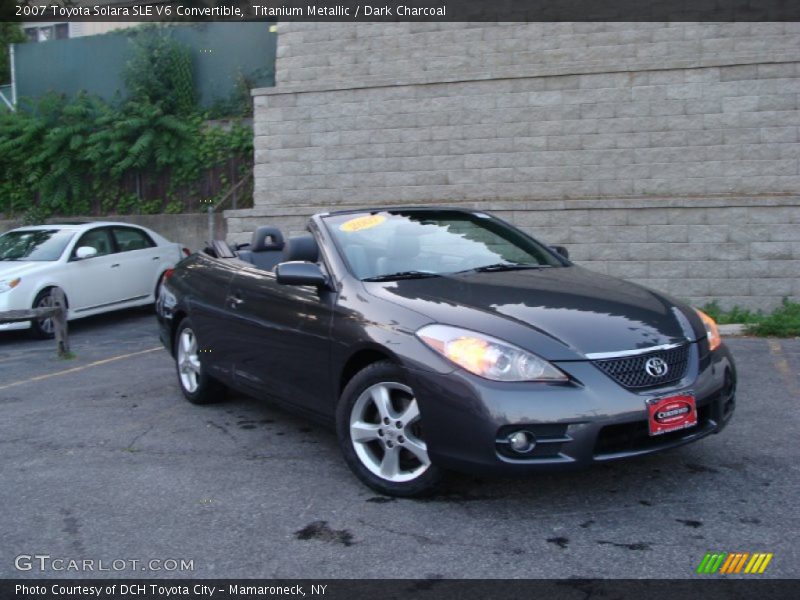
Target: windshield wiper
pixel 402 275
pixel 504 267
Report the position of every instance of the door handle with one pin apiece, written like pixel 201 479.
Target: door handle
pixel 156 258
pixel 115 265
pixel 235 300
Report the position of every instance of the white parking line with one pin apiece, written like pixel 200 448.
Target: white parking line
pixel 77 369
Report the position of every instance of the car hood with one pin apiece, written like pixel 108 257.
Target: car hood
pixel 17 268
pixel 566 313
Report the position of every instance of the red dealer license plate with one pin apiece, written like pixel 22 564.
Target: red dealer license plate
pixel 671 413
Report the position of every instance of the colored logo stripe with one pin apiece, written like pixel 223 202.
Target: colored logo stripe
pixel 711 562
pixel 734 562
pixel 759 562
pixel 729 563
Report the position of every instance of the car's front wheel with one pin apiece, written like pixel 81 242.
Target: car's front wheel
pixel 196 384
pixel 380 433
pixel 43 329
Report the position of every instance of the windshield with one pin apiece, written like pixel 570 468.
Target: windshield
pixel 420 243
pixel 34 244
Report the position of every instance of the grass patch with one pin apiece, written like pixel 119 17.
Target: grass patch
pixel 784 321
pixel 734 315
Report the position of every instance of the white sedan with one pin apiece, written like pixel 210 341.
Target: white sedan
pixel 100 266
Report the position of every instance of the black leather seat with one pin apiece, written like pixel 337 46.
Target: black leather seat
pixel 266 248
pixel 301 247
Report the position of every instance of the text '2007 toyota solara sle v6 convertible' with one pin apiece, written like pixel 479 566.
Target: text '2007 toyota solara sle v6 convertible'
pixel 436 339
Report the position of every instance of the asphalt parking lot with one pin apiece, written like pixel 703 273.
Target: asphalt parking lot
pixel 103 459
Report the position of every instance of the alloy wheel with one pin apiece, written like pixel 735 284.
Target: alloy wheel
pixel 386 433
pixel 188 361
pixel 46 324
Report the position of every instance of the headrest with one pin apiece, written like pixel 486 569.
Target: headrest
pixel 302 247
pixel 403 246
pixel 266 238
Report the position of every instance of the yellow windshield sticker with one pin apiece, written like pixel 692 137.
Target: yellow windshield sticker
pixel 361 223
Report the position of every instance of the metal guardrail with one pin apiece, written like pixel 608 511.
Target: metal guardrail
pixel 58 312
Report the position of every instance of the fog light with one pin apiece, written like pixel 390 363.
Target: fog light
pixel 521 441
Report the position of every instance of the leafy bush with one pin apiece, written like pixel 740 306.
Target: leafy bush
pixel 782 322
pixel 736 315
pixel 82 155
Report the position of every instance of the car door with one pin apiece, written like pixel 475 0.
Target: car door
pixel 208 280
pixel 283 338
pixel 96 282
pixel 139 259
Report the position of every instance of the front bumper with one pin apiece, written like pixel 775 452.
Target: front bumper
pixel 467 419
pixel 14 326
pixel 14 299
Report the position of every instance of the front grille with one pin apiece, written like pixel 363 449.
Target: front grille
pixel 629 371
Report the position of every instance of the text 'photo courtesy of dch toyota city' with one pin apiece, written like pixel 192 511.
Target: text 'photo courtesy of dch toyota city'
pixel 438 339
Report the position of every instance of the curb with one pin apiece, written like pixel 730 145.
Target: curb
pixel 731 329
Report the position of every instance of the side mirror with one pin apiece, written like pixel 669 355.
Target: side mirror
pixel 300 273
pixel 85 252
pixel 561 250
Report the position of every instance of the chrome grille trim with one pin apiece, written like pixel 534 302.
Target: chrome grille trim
pixel 624 353
pixel 629 371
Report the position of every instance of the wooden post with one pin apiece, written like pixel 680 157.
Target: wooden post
pixel 60 322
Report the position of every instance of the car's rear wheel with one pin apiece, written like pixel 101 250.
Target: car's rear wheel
pixel 43 329
pixel 380 433
pixel 196 384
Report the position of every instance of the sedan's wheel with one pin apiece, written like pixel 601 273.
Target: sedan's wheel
pixel 43 328
pixel 157 292
pixel 380 433
pixel 197 386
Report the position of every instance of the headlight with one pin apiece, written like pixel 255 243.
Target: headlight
pixel 712 331
pixel 7 284
pixel 486 356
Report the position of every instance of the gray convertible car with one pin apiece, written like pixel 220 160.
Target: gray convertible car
pixel 436 338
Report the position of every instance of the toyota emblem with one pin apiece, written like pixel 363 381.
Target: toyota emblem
pixel 656 367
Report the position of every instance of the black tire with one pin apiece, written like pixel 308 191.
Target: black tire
pixel 208 390
pixel 390 376
pixel 43 329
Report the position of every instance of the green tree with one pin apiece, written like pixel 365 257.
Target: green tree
pixel 160 72
pixel 10 33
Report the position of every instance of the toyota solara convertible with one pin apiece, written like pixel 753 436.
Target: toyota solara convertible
pixel 436 339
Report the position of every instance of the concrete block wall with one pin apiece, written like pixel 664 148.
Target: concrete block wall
pixel 714 130
pixel 311 55
pixel 649 149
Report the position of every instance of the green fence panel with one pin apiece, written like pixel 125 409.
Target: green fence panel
pixel 222 53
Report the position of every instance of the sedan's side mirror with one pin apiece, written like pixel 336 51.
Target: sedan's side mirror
pixel 300 273
pixel 85 252
pixel 561 250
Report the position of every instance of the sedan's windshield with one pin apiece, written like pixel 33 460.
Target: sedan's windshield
pixel 34 244
pixel 406 244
